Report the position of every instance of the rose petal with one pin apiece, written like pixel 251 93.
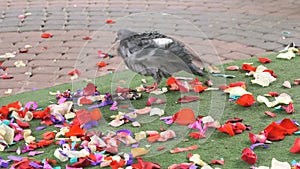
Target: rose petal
pixel 46 35
pixel 289 109
pixel 196 135
pixel 296 147
pixel 220 162
pixel 259 144
pixel 233 68
pixel 246 100
pixel 187 99
pixel 264 60
pixel 110 21
pixel 178 150
pixel 248 67
pixel 249 156
pixel 184 117
pixel 227 128
pixel 268 113
pixel 287 84
pixel 145 165
pixel 138 152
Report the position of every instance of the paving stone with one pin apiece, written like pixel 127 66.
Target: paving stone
pixel 8 84
pixel 236 56
pixel 236 30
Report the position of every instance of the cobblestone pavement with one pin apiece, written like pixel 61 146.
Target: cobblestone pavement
pixel 217 30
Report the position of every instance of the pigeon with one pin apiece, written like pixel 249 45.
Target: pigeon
pixel 155 54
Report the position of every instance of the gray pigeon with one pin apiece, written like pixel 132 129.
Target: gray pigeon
pixel 154 54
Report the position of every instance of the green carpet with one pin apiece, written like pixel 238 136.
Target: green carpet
pixel 216 145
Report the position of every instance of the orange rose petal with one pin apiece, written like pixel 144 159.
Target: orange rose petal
pixel 85 101
pixel 101 64
pixel 49 135
pixel 96 114
pixel 75 130
pixel 227 128
pixel 153 138
pixel 184 117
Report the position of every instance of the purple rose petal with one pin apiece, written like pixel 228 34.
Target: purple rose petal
pixel 31 106
pixel 40 128
pixel 15 158
pixel 259 144
pixel 61 100
pixel 34 153
pixel 56 120
pixel 124 131
pixel 35 165
pixel 58 126
pixel 136 145
pixel 3 163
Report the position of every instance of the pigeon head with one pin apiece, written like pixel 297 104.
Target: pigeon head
pixel 124 33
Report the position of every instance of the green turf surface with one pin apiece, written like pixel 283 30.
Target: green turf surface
pixel 215 146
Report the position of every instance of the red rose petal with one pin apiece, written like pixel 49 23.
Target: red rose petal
pixel 268 113
pixel 220 162
pixel 238 84
pixel 289 109
pixel 73 72
pixel 246 100
pixel 199 88
pixel 273 94
pixel 117 164
pixel 264 60
pixel 171 81
pixel 289 126
pixel 46 35
pixel 87 38
pixel 271 72
pixel 186 99
pixel 252 137
pixel 110 21
pixel 196 135
pixel 145 165
pixel 49 135
pixel 44 143
pixel 296 147
pixel 160 148
pixel 275 132
pixel 75 130
pixel 89 89
pixel 23 124
pixel 248 67
pixel 297 81
pixel 249 156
